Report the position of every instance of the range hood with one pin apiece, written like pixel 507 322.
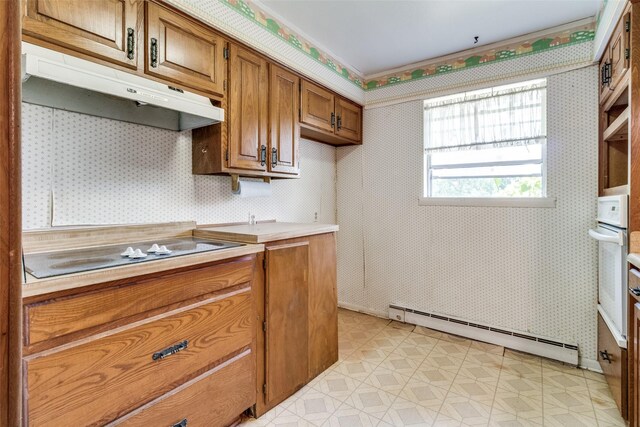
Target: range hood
pixel 53 79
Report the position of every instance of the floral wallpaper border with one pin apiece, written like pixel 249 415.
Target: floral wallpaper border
pixel 539 44
pixel 505 52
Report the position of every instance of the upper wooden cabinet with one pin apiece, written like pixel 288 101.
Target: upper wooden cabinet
pixel 283 121
pixel 329 118
pixel 247 110
pixel 620 50
pixel 615 59
pixel 179 50
pixel 348 120
pixel 260 136
pixel 103 29
pixel 317 107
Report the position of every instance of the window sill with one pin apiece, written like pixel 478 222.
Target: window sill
pixel 501 202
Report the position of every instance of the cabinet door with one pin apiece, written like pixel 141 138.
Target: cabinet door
pixel 619 44
pixel 286 320
pixel 323 304
pixel 348 120
pixel 613 361
pixel 104 29
pixel 179 50
pixel 247 123
pixel 317 107
pixel 283 111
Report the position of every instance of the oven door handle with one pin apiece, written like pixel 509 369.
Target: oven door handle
pixel 607 239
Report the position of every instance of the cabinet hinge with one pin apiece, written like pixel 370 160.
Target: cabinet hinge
pixel 225 53
pixel 627 53
pixel 299 113
pixel 264 263
pixel 226 155
pixel 627 26
pixel 264 326
pixel 224 85
pixel 264 388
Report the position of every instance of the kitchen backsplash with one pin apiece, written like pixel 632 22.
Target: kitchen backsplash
pixel 80 170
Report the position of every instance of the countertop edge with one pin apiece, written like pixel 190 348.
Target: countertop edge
pixel 634 259
pixel 37 287
pixel 218 233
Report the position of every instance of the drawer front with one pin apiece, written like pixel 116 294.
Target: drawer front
pixel 634 279
pixel 214 399
pixel 61 317
pixel 102 379
pixel 615 368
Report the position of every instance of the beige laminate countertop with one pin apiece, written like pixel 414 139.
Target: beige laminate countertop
pixel 634 259
pixel 264 232
pixel 34 286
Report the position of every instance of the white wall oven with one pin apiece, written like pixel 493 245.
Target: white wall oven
pixel 611 234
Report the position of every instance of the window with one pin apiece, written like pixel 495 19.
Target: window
pixel 487 145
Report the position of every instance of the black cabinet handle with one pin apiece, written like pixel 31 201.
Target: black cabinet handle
pixel 339 122
pixel 333 119
pixel 171 350
pixel 131 43
pixel 635 291
pixel 182 423
pixel 263 155
pixel 154 52
pixel 606 73
pixel 274 157
pixel 604 354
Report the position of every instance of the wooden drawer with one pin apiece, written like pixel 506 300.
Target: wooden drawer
pixel 102 378
pixel 614 369
pixel 634 279
pixel 215 398
pixel 59 317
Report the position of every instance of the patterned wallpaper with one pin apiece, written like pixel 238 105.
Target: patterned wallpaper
pixel 529 269
pixel 80 169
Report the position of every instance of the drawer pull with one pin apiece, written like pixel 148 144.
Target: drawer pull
pixel 169 351
pixel 605 356
pixel 635 291
pixel 182 423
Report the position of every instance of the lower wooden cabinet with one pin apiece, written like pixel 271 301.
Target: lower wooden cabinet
pixel 285 312
pixel 634 398
pixel 613 361
pixel 296 299
pixel 193 360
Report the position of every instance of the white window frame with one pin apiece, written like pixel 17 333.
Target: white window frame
pixel 518 202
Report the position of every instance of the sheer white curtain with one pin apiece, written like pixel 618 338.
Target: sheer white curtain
pixel 503 116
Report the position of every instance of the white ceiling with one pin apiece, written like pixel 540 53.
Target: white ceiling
pixel 378 35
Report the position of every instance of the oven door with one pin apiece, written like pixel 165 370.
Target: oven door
pixel 612 275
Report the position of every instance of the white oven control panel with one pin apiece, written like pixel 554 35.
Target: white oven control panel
pixel 612 210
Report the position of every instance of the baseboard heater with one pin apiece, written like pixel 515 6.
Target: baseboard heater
pixel 540 346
